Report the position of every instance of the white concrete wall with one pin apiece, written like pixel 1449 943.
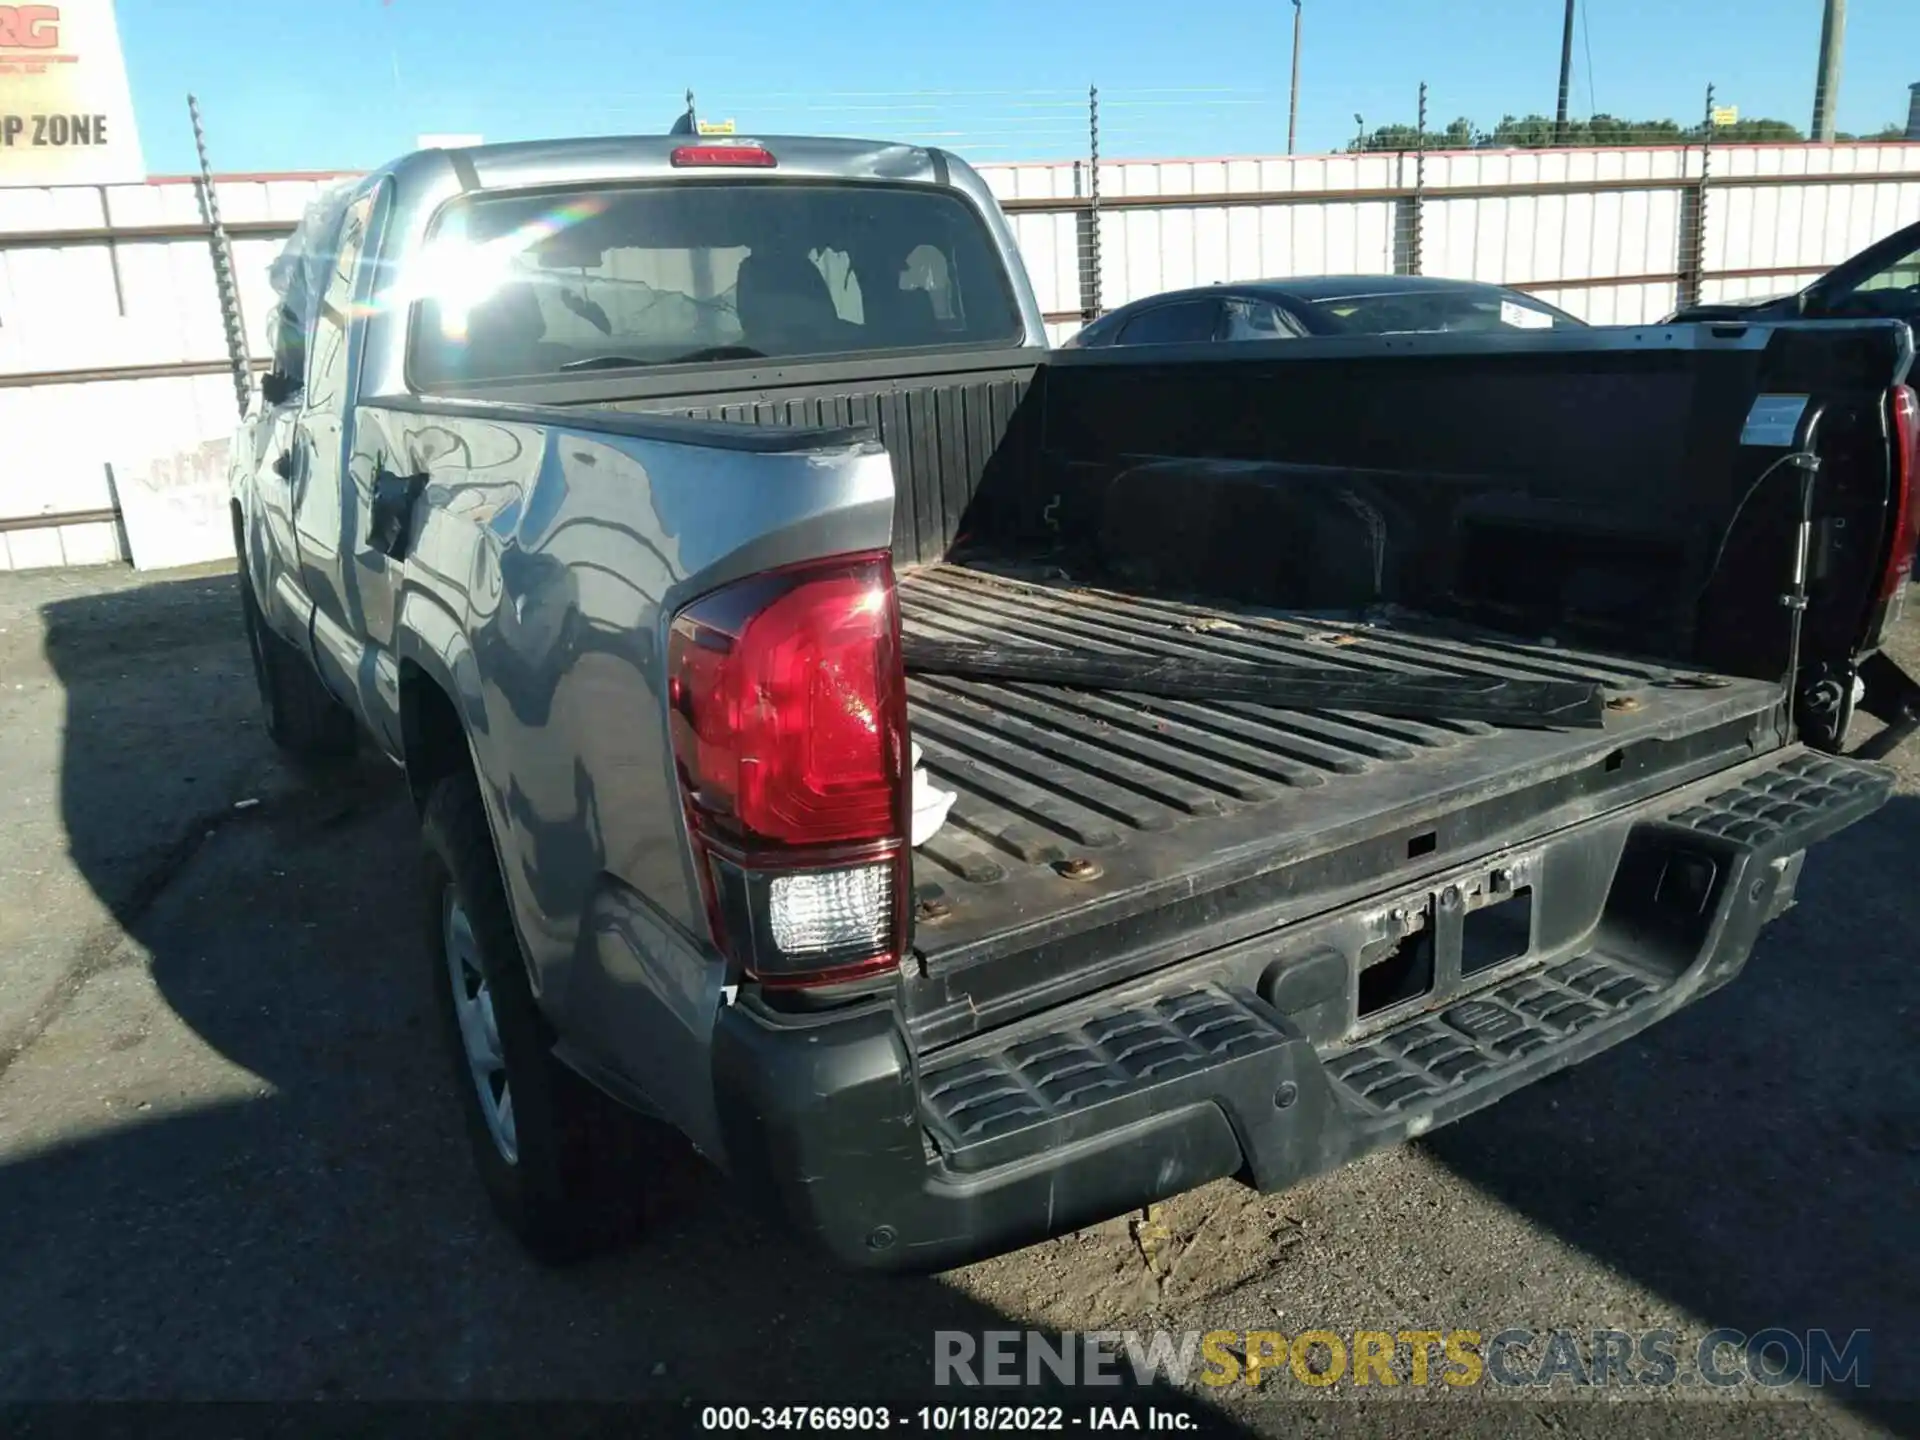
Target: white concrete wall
pixel 60 310
pixel 1608 219
pixel 1803 226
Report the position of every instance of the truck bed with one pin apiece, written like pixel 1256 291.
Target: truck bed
pixel 1171 801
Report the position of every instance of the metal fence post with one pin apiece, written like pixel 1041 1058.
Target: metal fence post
pixel 224 284
pixel 1407 205
pixel 1419 184
pixel 1090 297
pixel 1693 217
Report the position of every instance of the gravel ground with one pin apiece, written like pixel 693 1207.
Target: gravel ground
pixel 231 1163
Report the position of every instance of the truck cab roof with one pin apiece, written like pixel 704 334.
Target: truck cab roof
pixel 651 157
pixel 563 198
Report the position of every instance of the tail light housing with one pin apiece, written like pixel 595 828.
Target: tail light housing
pixel 1903 516
pixel 788 715
pixel 1905 507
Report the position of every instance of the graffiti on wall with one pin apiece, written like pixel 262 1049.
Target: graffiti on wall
pixel 175 507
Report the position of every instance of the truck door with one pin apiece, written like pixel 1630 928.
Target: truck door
pixel 346 581
pixel 269 468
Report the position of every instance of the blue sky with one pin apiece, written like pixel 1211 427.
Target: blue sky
pixel 347 83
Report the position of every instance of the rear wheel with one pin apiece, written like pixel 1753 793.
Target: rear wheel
pixel 552 1151
pixel 303 718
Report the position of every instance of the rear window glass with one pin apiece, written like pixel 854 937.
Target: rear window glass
pixel 519 285
pixel 1434 310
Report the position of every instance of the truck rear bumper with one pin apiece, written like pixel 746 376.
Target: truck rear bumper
pixel 1272 1059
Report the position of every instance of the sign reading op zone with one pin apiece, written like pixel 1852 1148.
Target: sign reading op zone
pixel 66 117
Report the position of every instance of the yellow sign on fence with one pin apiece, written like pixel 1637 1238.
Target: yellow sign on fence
pixel 1726 115
pixel 66 117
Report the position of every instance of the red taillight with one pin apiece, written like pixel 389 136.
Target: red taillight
pixel 788 707
pixel 751 156
pixel 1905 507
pixel 788 713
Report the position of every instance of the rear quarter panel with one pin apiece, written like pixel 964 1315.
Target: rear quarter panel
pixel 549 560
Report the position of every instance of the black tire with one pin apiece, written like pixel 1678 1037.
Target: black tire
pixel 303 718
pixel 562 1192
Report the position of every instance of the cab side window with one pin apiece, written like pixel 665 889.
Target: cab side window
pixel 289 344
pixel 327 360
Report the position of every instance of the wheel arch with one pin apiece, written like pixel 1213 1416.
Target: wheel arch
pixel 442 719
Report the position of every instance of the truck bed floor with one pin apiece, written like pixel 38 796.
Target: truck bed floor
pixel 1076 808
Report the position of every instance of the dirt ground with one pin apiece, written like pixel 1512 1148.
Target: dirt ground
pixel 231 1164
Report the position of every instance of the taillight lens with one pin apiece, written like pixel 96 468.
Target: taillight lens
pixel 786 690
pixel 1905 530
pixel 787 707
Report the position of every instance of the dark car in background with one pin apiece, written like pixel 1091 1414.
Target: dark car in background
pixel 1321 305
pixel 1882 282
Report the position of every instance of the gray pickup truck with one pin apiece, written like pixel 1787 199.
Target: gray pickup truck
pixel 1340 734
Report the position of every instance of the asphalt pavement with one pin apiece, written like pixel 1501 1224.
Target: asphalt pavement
pixel 231 1162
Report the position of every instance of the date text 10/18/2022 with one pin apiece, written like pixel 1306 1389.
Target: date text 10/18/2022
pixel 948 1419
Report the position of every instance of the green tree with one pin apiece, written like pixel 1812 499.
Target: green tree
pixel 1604 129
pixel 1537 132
pixel 1756 132
pixel 1885 132
pixel 1529 132
pixel 1388 137
pixel 1459 135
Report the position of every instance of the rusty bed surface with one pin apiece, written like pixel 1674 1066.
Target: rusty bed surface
pixel 1068 799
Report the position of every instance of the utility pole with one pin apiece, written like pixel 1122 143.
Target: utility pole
pixel 1826 85
pixel 1293 90
pixel 1566 78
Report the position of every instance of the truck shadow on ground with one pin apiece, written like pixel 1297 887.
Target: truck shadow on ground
pixel 294 1216
pixel 1755 1158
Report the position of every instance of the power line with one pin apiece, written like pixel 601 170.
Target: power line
pixel 1586 39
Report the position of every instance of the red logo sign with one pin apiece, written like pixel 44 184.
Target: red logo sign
pixel 29 27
